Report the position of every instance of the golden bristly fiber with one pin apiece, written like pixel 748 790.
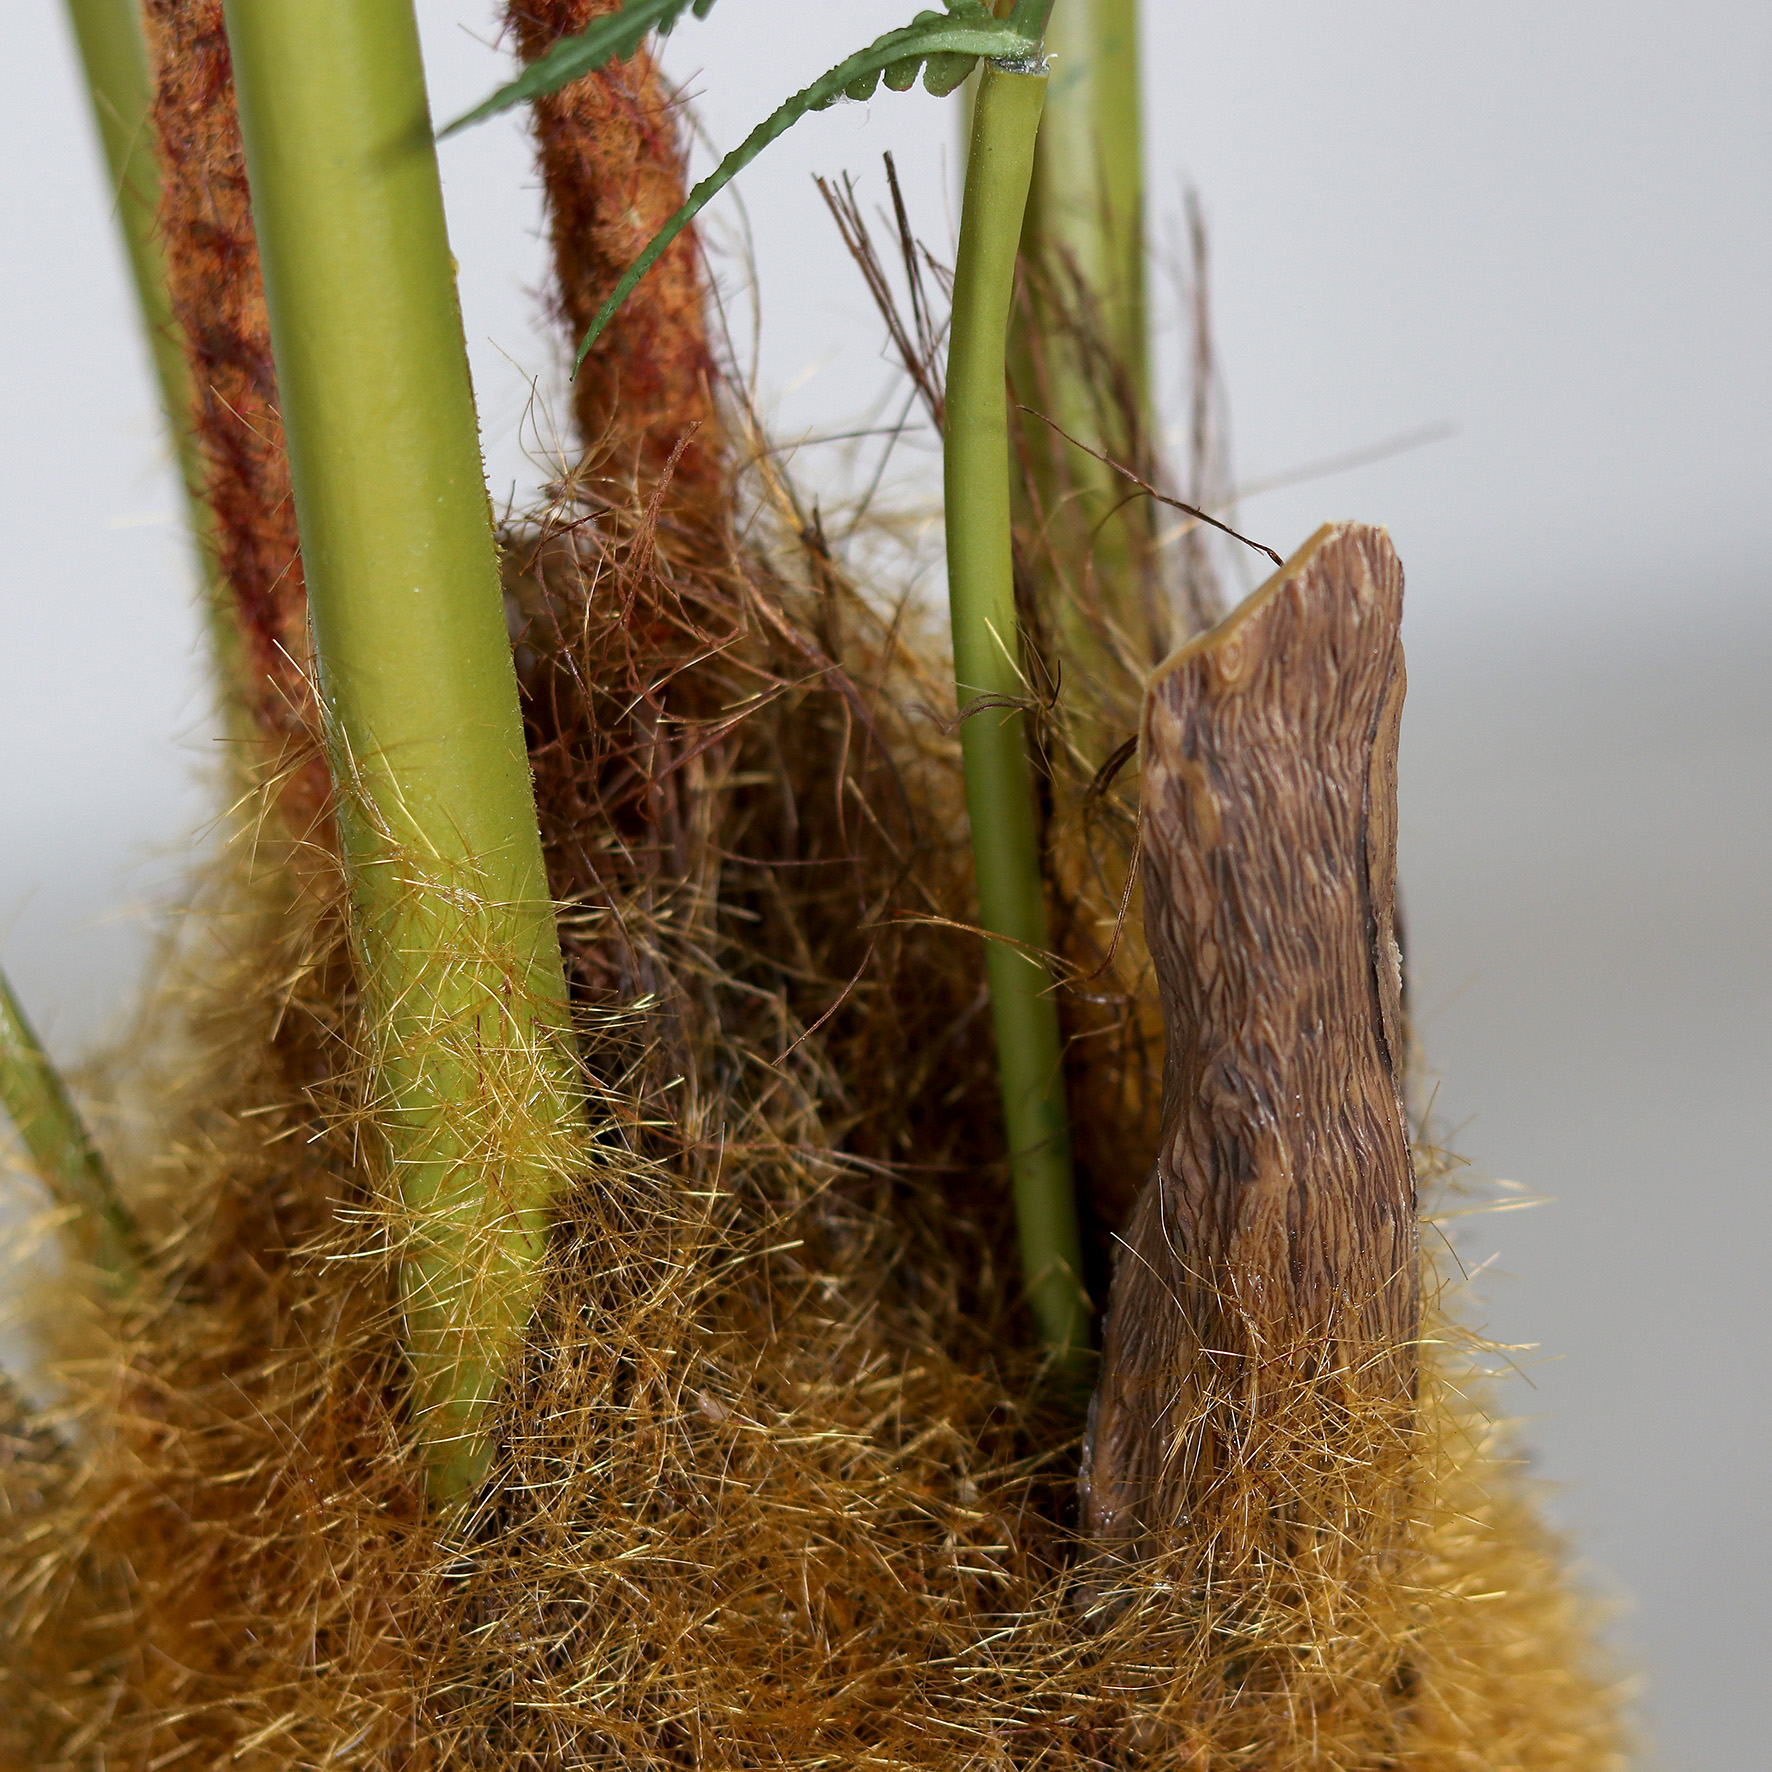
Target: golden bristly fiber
pixel 777 1482
pixel 613 167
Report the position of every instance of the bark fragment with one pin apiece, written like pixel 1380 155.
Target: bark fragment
pixel 1263 1313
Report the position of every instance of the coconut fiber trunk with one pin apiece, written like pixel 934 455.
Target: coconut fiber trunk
pixel 779 1475
pixel 217 299
pixel 613 162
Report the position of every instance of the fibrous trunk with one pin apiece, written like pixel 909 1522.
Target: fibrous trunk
pixel 613 168
pixel 218 300
pixel 1263 1318
pixel 613 165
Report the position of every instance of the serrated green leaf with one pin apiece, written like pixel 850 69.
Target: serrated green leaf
pixel 942 43
pixel 614 37
pixel 942 74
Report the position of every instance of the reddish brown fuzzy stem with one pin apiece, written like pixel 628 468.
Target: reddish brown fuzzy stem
pixel 613 165
pixel 1266 1295
pixel 218 300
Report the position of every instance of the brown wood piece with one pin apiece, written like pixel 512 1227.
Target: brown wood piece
pixel 1268 1273
pixel 613 165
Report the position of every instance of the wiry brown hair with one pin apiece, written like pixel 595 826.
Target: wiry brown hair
pixel 779 1482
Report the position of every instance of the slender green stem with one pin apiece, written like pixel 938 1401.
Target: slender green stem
pixel 58 1144
pixel 999 781
pixel 455 932
pixel 114 54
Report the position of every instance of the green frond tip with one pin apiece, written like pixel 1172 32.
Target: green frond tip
pixel 946 47
pixel 612 38
pixel 57 1142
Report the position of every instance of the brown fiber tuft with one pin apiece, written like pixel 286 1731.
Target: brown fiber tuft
pixel 779 1482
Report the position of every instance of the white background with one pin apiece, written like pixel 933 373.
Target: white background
pixel 1548 226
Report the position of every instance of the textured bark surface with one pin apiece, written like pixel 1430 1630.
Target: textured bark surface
pixel 1265 1298
pixel 218 298
pixel 613 165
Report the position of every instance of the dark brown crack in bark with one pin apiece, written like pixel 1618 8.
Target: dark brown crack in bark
pixel 1262 1320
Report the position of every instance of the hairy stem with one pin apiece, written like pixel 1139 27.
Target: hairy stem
pixel 58 1144
pixel 614 169
pixel 994 740
pixel 454 928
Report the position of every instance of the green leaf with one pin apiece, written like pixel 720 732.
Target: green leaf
pixel 946 73
pixel 614 37
pixel 945 47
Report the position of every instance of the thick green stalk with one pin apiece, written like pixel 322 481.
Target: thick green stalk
pixel 999 781
pixel 58 1144
pixel 1088 196
pixel 1085 235
pixel 114 53
pixel 455 931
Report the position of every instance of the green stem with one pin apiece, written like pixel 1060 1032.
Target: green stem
pixel 114 53
pixel 455 933
pixel 58 1144
pixel 999 779
pixel 1088 195
pixel 1085 232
